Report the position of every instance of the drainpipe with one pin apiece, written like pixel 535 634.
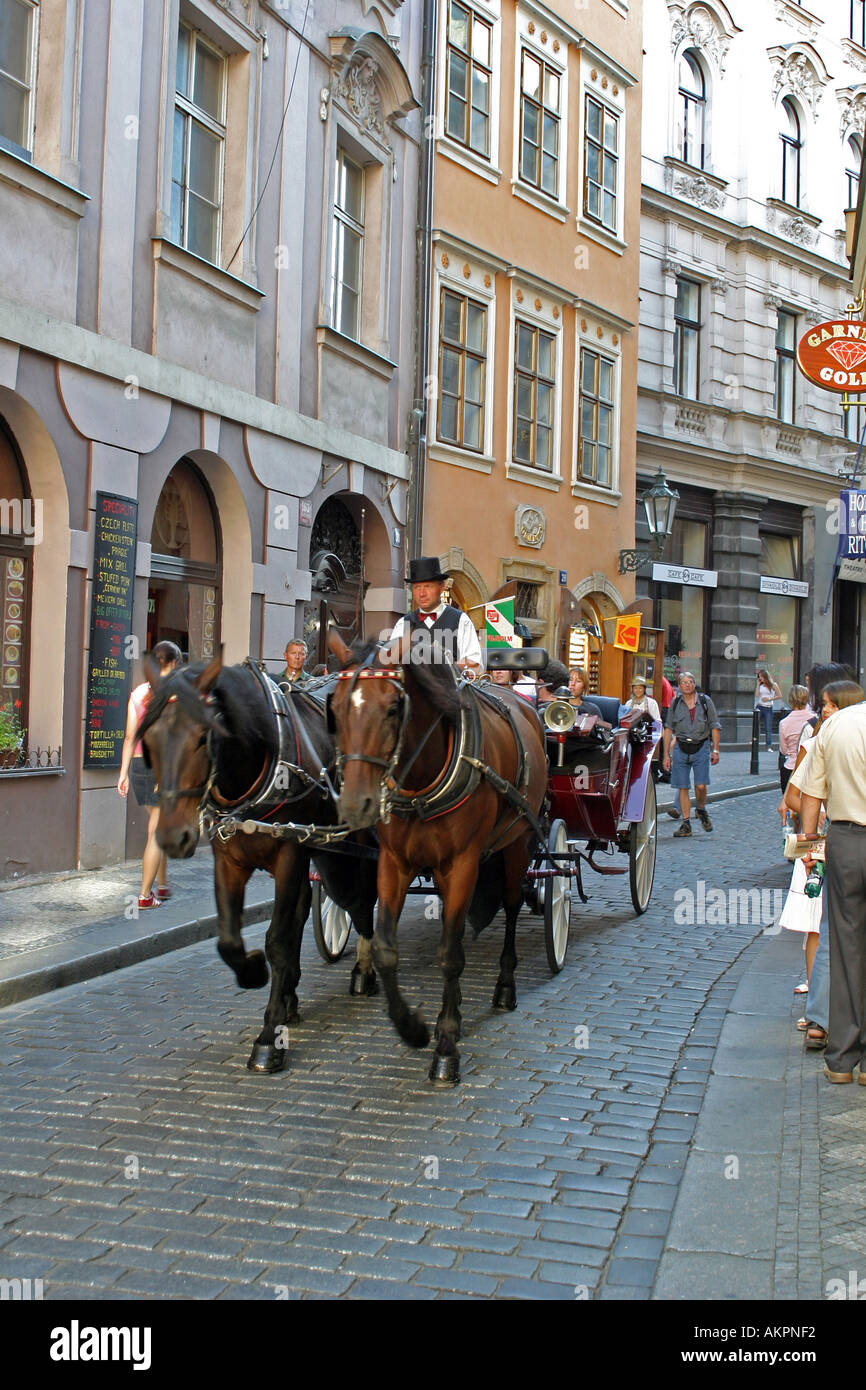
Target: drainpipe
pixel 423 278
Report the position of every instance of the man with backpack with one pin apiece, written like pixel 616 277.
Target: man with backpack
pixel 692 720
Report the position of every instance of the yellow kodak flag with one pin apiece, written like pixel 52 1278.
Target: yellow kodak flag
pixel 627 634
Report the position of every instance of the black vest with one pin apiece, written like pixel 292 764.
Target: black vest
pixel 448 620
pixel 441 633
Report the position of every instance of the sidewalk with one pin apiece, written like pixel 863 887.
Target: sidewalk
pixel 61 930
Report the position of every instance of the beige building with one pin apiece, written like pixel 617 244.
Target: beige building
pixel 207 346
pixel 531 378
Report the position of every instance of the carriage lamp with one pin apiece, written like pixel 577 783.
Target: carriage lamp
pixel 660 503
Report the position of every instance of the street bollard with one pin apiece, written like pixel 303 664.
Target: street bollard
pixel 753 765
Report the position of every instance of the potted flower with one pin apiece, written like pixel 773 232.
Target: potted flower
pixel 11 736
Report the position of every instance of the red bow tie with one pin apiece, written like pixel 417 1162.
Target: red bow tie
pixel 424 616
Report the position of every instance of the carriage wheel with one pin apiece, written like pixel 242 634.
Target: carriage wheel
pixel 642 852
pixel 331 925
pixel 557 901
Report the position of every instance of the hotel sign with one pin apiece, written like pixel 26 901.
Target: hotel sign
pixel 833 355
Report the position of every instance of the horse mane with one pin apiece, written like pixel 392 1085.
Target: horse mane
pixel 246 720
pixel 436 678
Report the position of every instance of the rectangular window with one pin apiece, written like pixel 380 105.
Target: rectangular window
pixel 595 440
pixel 539 124
pixel 601 164
pixel 853 420
pixel 16 74
pixel 199 145
pixel 858 22
pixel 348 249
pixel 534 389
pixel 786 345
pixel 462 364
pixel 468 80
pixel 526 602
pixel 687 338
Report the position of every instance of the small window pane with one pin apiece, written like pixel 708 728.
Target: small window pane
pixel 589 363
pixel 605 378
pixel 550 134
pixel 593 120
pixel 544 404
pixel 350 188
pixel 202 226
pixel 543 437
pixel 603 466
pixel 523 443
pixel 524 398
pixel 472 418
pixel 551 90
pixel 475 317
pixel 608 216
pixel 351 259
pixel 348 313
pixel 587 419
pixel 604 419
pixel 204 162
pixel 182 63
pixel 524 347
pixel 593 163
pixel 451 372
pixel 458 27
pixel 452 318
pixel 207 84
pixel 479 137
pixel 610 132
pixel 481 43
pixel 14 105
pixel 474 380
pixel 448 419
pixel 15 39
pixel 458 70
pixel 785 331
pixel 687 300
pixel 531 76
pixel 456 118
pixel 480 90
pixel 587 460
pixel 545 355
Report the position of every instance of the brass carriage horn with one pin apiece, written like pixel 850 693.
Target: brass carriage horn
pixel 559 716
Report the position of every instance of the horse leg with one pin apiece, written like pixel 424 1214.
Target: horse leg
pixel 230 881
pixel 505 992
pixel 455 889
pixel 393 881
pixel 283 946
pixel 352 884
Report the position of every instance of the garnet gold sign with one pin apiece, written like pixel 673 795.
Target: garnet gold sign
pixel 833 355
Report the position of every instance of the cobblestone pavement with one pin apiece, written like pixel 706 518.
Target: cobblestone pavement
pixel 139 1158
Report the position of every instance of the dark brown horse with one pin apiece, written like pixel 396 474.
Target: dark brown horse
pixel 429 755
pixel 211 736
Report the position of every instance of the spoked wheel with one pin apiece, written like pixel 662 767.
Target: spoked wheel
pixel 642 840
pixel 556 900
pixel 331 925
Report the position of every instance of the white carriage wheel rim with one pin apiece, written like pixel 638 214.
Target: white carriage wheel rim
pixel 561 902
pixel 645 853
pixel 335 926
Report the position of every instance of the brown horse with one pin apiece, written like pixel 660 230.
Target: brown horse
pixel 435 759
pixel 210 735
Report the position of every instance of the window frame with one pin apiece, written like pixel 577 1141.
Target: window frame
pixel 546 67
pixel 535 377
pixel 859 22
pixel 476 16
pixel 25 151
pixel 219 129
pixel 464 351
pixel 789 356
pixel 588 141
pixel 689 99
pixel 854 145
pixel 580 477
pixel 343 221
pixel 791 146
pixel 683 326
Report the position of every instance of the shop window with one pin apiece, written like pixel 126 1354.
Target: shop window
pixel 183 598
pixel 198 145
pixel 687 339
pixel 779 614
pixel 681 608
pixel 17 75
pixel 462 368
pixel 468 80
pixel 17 534
pixel 534 396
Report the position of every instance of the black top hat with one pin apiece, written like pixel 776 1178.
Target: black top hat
pixel 425 568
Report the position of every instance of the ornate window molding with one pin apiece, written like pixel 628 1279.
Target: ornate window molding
pixel 792 12
pixel 707 27
pixel 370 82
pixel 852 109
pixel 694 185
pixel 792 223
pixel 798 69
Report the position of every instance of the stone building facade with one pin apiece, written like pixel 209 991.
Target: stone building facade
pixel 752 142
pixel 209 219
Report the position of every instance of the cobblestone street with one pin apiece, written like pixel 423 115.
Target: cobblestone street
pixel 139 1157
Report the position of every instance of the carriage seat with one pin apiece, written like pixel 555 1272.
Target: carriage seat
pixel 609 706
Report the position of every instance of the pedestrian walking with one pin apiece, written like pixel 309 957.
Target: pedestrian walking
pixel 766 692
pixel 135 772
pixel 694 723
pixel 790 729
pixel 836 774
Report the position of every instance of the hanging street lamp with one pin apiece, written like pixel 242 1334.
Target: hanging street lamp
pixel 660 503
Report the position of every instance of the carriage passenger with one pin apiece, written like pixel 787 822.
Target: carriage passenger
pixel 578 682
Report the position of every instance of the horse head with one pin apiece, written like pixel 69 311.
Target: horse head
pixel 177 734
pixel 367 712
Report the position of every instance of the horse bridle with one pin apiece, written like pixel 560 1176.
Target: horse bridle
pixel 174 794
pixel 394 676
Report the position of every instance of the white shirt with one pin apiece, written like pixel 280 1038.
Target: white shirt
pixel 468 645
pixel 836 765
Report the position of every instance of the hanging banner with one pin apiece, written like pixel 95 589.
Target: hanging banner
pixel 833 355
pixel 627 633
pixel 499 624
pixel 852 523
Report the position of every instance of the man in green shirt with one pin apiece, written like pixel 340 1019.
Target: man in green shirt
pixel 295 655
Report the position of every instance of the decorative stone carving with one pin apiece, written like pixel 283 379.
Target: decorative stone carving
pixel 696 188
pixel 772 301
pixel 854 55
pixel 813 316
pixel 790 443
pixel 357 87
pixel 669 267
pixel 798 229
pixel 720 286
pixel 788 11
pixel 852 110
pixel 530 526
pixel 691 418
pixel 698 28
pixel 795 73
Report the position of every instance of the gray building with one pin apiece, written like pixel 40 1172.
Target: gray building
pixel 207 272
pixel 752 142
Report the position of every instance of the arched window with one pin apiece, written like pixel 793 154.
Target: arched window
pixel 183 598
pixel 853 160
pixel 693 109
pixel 792 148
pixel 20 527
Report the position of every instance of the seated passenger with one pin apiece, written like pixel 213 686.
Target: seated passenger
pixel 578 681
pixel 550 679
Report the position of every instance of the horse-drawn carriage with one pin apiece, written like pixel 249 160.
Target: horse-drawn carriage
pixel 390 770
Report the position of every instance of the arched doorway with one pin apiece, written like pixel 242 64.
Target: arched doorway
pixel 18 533
pixel 183 598
pixel 338 585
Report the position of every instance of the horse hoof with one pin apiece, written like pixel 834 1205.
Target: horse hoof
pixel 363 982
pixel 253 973
pixel 265 1057
pixel 445 1069
pixel 504 996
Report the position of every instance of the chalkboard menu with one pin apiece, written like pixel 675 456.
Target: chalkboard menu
pixel 108 664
